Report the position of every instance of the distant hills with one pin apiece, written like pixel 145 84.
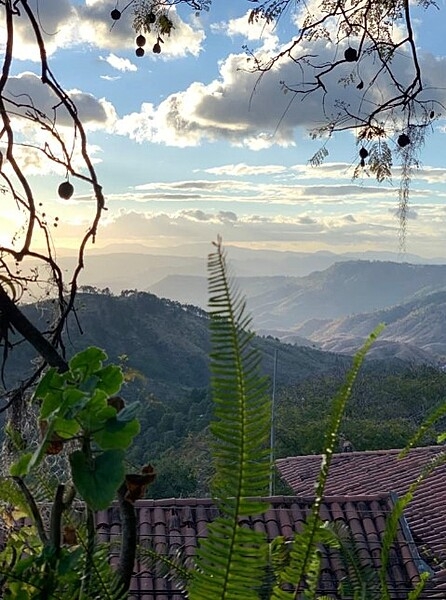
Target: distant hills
pixel 332 310
pixel 337 308
pixel 342 289
pixel 168 344
pixel 122 267
pixel 415 330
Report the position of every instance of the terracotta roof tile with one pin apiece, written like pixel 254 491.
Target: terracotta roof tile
pixel 173 525
pixel 382 471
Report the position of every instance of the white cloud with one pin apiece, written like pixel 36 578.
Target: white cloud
pixel 119 63
pixel 41 122
pixel 253 31
pixel 247 110
pixel 92 111
pixel 241 170
pixel 110 77
pixel 67 25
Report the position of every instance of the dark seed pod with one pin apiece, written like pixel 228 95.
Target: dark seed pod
pixel 140 41
pixel 431 114
pixel 363 153
pixel 157 48
pixel 403 140
pixel 65 190
pixel 139 52
pixel 360 85
pixel 151 18
pixel 351 55
pixel 115 14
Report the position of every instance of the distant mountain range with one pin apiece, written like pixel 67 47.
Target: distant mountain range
pixel 332 309
pixel 415 330
pixel 120 267
pixel 337 308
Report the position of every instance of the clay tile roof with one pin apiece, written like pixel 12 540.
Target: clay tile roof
pixel 382 471
pixel 171 525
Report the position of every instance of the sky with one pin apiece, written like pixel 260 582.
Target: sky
pixel 190 144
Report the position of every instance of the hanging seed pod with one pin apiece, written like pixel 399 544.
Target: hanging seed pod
pixel 65 190
pixel 363 153
pixel 139 52
pixel 115 14
pixel 403 140
pixel 351 54
pixel 140 41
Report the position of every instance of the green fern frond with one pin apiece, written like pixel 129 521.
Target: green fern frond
pixel 172 567
pixel 303 556
pixel 415 594
pixel 231 561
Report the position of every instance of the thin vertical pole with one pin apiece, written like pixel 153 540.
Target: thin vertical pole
pixel 273 415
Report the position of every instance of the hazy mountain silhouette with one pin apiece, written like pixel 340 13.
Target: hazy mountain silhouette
pixel 121 266
pixel 414 329
pixel 343 289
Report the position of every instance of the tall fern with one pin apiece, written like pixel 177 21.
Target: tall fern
pixel 300 576
pixel 231 561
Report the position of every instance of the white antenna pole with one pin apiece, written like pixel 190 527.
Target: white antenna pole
pixel 273 414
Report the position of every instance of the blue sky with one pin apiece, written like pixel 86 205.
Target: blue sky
pixel 187 148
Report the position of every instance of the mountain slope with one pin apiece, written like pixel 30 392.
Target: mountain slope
pixel 346 288
pixel 420 323
pixel 166 342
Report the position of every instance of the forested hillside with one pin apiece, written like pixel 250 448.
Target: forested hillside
pixel 166 342
pixel 163 347
pixel 385 411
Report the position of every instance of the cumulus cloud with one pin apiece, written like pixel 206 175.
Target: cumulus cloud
pixel 254 31
pixel 118 63
pixel 69 25
pixel 28 88
pixel 41 122
pixel 246 110
pixel 56 18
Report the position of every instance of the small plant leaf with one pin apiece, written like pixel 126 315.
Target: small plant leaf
pixel 116 434
pixel 88 362
pixel 97 479
pixel 20 467
pixel 110 379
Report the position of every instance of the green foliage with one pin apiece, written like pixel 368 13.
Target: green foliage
pixel 232 559
pixel 384 411
pixel 78 407
pixel 75 406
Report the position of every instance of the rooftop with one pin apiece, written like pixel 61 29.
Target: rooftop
pixel 381 471
pixel 171 525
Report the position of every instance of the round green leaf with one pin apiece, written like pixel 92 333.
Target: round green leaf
pixel 97 479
